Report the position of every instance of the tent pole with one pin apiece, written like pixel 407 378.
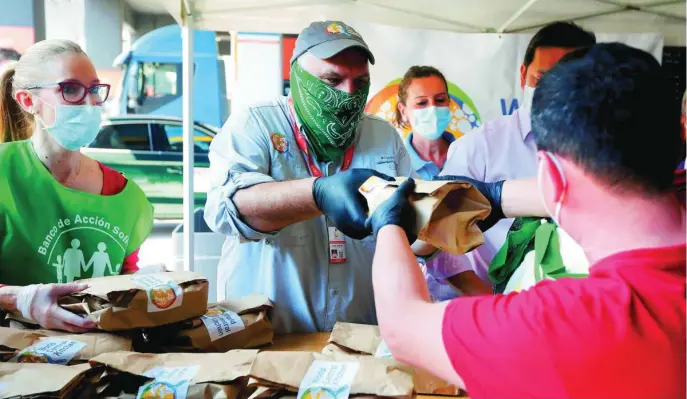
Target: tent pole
pixel 515 16
pixel 188 144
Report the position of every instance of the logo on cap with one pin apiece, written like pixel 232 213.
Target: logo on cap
pixel 342 29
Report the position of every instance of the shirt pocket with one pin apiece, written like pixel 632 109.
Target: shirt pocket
pixel 384 164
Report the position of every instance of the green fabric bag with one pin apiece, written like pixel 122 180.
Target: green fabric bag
pixel 529 234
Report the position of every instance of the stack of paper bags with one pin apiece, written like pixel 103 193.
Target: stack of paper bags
pixel 47 381
pixel 137 301
pixel 175 375
pixel 46 346
pixel 446 211
pixel 365 340
pixel 236 323
pixel 284 374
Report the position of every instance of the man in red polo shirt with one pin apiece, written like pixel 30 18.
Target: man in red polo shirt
pixel 607 150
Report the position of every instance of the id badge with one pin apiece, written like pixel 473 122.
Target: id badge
pixel 337 246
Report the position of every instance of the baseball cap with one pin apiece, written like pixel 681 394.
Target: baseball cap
pixel 325 39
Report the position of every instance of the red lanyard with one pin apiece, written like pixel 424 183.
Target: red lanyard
pixel 302 144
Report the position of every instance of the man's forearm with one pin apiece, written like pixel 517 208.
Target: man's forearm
pixel 395 272
pixel 272 206
pixel 8 297
pixel 409 323
pixel 522 198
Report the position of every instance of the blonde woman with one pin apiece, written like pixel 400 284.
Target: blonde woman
pixel 57 205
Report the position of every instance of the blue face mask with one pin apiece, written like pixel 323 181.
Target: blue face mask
pixel 75 126
pixel 430 122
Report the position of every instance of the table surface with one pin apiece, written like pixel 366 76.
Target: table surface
pixel 315 342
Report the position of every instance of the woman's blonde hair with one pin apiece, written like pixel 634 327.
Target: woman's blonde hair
pixel 17 124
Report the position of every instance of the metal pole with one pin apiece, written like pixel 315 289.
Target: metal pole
pixel 188 145
pixel 515 16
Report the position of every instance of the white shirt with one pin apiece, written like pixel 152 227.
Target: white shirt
pixel 502 149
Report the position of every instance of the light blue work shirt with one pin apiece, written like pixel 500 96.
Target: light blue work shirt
pixel 425 170
pixel 291 266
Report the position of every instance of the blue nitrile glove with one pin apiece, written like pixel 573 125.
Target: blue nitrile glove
pixel 337 196
pixel 491 191
pixel 397 211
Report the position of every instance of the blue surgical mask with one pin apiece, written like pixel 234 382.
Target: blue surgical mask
pixel 75 126
pixel 431 122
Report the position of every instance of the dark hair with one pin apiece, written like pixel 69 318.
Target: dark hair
pixel 559 34
pixel 609 112
pixel 415 72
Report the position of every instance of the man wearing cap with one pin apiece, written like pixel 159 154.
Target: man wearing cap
pixel 286 174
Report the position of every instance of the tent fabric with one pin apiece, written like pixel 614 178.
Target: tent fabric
pixel 484 16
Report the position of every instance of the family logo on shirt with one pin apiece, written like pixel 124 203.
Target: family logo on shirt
pixel 70 265
pixel 464 115
pixel 64 247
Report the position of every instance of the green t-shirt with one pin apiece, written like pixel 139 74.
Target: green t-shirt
pixel 50 233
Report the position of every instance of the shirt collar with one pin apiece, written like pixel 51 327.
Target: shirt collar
pixel 524 123
pixel 415 159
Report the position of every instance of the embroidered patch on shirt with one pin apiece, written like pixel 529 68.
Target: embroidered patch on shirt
pixel 279 142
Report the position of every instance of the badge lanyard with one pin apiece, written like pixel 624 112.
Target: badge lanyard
pixel 337 243
pixel 302 144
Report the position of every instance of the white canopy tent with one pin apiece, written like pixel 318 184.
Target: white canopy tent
pixel 466 16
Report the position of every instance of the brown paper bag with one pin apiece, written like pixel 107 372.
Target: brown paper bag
pixel 363 340
pixel 446 211
pixel 137 301
pixel 12 341
pixel 213 331
pixel 219 375
pixel 47 380
pixel 284 371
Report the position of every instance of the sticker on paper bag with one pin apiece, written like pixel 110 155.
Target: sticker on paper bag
pixel 328 380
pixel 162 293
pixel 50 350
pixel 383 351
pixel 168 383
pixel 221 322
pixel 371 184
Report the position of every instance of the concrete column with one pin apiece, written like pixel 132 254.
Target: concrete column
pixel 95 24
pixel 103 31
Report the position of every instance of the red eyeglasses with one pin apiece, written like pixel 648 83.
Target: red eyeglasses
pixel 75 92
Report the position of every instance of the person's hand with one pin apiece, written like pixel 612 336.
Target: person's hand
pixel 396 211
pixel 491 191
pixel 38 303
pixel 338 198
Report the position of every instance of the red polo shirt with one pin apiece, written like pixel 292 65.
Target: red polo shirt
pixel 620 333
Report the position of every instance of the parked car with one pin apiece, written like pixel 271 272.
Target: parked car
pixel 148 150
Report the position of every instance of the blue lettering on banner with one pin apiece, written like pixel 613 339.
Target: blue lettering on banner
pixel 513 106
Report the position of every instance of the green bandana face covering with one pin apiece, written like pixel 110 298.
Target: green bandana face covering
pixel 330 116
